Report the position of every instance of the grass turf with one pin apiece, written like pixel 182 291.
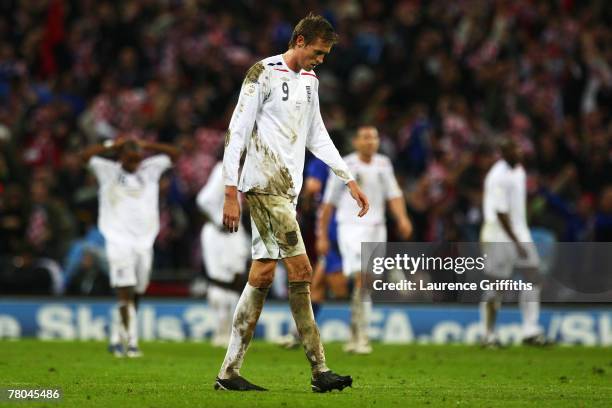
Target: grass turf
pixel 182 374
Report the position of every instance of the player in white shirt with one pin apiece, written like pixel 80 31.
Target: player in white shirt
pixel 277 117
pixel 374 173
pixel 507 242
pixel 128 217
pixel 225 256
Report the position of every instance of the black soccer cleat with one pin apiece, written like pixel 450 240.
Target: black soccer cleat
pixel 236 384
pixel 539 340
pixel 494 344
pixel 328 381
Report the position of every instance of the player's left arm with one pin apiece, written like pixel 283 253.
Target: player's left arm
pixel 163 148
pixel 396 202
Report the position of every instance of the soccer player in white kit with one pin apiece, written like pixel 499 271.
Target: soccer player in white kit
pixel 374 173
pixel 276 118
pixel 225 256
pixel 128 217
pixel 507 243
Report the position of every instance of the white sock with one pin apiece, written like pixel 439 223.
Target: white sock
pixel 118 334
pixel 357 311
pixel 132 326
pixel 488 314
pixel 217 310
pixel 364 321
pixel 243 326
pixel 529 303
pixel 487 332
pixel 223 311
pixel 114 326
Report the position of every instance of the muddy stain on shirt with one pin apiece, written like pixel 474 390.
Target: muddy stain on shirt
pixel 253 73
pixel 279 180
pixel 342 175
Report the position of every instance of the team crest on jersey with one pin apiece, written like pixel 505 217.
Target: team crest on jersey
pixel 308 93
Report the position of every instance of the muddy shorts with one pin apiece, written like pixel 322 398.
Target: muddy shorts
pixel 276 233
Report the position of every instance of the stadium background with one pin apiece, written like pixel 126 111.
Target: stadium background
pixel 442 81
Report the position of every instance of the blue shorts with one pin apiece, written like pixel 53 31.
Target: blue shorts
pixel 333 260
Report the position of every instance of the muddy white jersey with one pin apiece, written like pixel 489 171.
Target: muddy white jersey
pixel 376 180
pixel 276 118
pixel 129 202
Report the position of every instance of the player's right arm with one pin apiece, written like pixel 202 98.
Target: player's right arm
pixel 241 126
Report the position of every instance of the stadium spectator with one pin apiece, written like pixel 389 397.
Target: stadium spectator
pixel 434 78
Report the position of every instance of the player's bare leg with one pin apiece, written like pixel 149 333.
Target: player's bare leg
pixel 300 274
pixel 120 332
pixel 529 304
pixel 361 308
pixel 317 288
pixel 488 314
pixel 246 315
pixel 338 284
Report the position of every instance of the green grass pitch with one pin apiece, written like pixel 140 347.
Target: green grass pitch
pixel 182 374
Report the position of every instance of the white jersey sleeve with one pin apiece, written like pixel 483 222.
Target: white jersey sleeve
pixel 103 169
pixel 321 145
pixel 392 188
pixel 154 166
pixel 210 197
pixel 254 88
pixel 334 189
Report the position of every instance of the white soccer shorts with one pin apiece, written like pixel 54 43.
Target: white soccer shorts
pixel 350 237
pixel 129 266
pixel 275 231
pixel 225 254
pixel 502 257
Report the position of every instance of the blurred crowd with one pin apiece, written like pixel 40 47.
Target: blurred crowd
pixel 443 81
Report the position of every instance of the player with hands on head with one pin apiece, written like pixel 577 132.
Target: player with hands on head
pixel 128 218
